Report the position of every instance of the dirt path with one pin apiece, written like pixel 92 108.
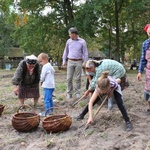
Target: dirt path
pixel 106 134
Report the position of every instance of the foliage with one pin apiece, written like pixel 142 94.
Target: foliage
pixel 6 28
pixel 114 27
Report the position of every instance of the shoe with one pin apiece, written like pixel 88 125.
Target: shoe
pixel 77 95
pixel 129 126
pixel 42 114
pixel 80 117
pixel 148 112
pixel 69 96
pixel 23 108
pixel 35 106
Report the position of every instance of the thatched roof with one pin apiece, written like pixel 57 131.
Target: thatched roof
pixel 97 54
pixel 15 52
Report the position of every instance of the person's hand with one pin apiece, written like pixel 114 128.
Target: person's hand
pixel 118 80
pixel 64 66
pixel 90 121
pixel 139 77
pixel 16 90
pixel 86 93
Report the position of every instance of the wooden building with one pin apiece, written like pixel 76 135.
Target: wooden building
pixel 96 55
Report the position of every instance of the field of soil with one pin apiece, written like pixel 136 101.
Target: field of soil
pixel 106 134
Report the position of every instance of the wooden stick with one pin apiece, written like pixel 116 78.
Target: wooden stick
pixel 100 107
pixel 78 101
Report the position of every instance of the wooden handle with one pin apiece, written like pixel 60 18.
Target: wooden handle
pixel 100 106
pixel 54 108
pixel 78 101
pixel 26 106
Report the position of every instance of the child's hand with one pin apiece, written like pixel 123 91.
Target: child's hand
pixel 86 93
pixel 90 121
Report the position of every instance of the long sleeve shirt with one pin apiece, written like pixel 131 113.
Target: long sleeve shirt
pixel 75 49
pixel 115 69
pixel 47 76
pixel 143 61
pixel 27 79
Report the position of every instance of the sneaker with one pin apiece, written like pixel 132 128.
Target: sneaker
pixel 35 106
pixel 129 126
pixel 23 108
pixel 69 96
pixel 77 95
pixel 42 114
pixel 80 117
pixel 148 112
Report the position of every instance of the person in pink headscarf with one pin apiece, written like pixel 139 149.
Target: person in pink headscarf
pixel 145 63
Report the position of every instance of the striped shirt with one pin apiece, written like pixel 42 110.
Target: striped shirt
pixel 143 61
pixel 115 69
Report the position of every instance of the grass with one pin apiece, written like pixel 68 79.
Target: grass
pixel 72 138
pixel 61 87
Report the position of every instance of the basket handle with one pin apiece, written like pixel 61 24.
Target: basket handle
pixel 26 106
pixel 55 108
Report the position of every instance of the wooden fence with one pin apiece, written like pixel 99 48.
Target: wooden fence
pixel 4 64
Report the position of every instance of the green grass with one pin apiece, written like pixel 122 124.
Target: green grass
pixel 61 87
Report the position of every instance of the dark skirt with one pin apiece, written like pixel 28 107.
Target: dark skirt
pixel 29 91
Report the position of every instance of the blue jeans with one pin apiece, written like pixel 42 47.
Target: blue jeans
pixel 48 98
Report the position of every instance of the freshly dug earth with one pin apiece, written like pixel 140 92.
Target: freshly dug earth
pixel 106 134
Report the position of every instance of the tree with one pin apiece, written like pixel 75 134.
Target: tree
pixel 6 28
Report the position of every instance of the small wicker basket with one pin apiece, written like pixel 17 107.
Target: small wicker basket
pixel 1 109
pixel 56 123
pixel 25 121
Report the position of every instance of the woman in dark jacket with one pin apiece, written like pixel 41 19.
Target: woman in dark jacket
pixel 26 79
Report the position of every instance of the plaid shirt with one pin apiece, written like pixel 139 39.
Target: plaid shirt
pixel 115 69
pixel 143 61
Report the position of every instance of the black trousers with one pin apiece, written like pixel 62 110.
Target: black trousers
pixel 88 83
pixel 119 101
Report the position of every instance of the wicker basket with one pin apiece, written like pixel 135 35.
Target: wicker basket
pixel 1 108
pixel 56 123
pixel 25 121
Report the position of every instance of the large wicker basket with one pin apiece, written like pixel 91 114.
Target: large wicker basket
pixel 25 121
pixel 1 108
pixel 56 123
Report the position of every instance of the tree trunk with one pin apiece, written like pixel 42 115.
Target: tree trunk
pixel 117 50
pixel 68 10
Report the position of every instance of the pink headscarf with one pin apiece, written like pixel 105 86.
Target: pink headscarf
pixel 146 27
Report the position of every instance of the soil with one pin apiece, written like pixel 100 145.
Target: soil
pixel 107 133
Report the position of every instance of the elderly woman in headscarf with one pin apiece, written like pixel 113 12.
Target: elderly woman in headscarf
pixel 26 79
